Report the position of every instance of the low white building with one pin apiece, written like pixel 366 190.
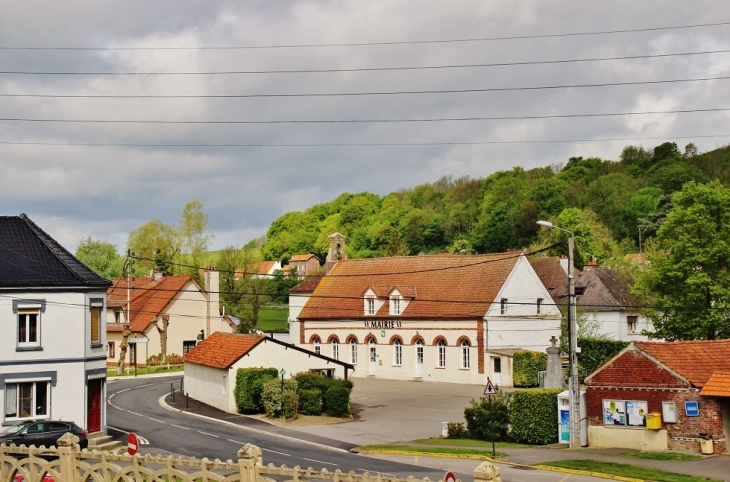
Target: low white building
pixel 53 348
pixel 447 318
pixel 210 368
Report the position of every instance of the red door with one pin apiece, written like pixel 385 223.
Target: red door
pixel 94 401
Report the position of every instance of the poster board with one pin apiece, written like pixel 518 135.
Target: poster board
pixel 625 413
pixel 669 412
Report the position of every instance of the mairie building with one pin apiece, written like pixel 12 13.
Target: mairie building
pixel 442 318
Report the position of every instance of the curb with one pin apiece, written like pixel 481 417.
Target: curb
pixel 427 454
pixel 587 472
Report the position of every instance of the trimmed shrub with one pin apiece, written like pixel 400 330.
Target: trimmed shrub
pixel 456 430
pixel 526 364
pixel 174 359
pixel 595 352
pixel 338 400
pixel 249 385
pixel 310 401
pixel 317 381
pixel 291 402
pixel 535 416
pixel 271 397
pixel 487 413
pixel 153 361
pixel 307 380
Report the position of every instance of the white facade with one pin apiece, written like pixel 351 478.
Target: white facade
pixel 620 325
pixel 63 362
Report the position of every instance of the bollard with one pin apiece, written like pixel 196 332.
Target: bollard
pixel 172 392
pixel 187 401
pixel 181 384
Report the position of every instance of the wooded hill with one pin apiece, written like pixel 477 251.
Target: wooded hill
pixel 609 205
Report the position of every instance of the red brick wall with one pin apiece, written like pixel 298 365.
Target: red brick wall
pixel 633 369
pixel 480 346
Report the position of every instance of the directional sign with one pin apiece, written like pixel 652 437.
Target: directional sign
pixel 489 390
pixel 138 339
pixel 132 444
pixel 449 477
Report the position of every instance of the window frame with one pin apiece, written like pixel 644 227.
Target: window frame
pixel 397 353
pixel 186 349
pixel 353 352
pixel 33 400
pixel 335 349
pixel 25 331
pixel 112 350
pixel 503 306
pixel 441 354
pixel 465 355
pixel 632 323
pixel 395 306
pixel 539 306
pixel 317 346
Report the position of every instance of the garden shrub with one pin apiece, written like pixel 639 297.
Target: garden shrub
pixel 310 401
pixel 595 352
pixel 488 412
pixel 174 359
pixel 249 385
pixel 307 380
pixel 291 403
pixel 271 397
pixel 535 416
pixel 153 361
pixel 338 400
pixel 317 381
pixel 526 364
pixel 456 430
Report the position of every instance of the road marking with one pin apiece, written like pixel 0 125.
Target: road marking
pixel 179 426
pixel 374 472
pixel 275 452
pixel 318 461
pixel 565 478
pixel 140 439
pixel 153 419
pixel 206 433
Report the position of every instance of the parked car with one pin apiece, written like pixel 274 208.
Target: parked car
pixel 40 432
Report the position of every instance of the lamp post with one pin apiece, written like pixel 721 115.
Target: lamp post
pixel 574 385
pixel 282 372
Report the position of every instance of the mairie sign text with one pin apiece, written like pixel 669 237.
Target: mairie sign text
pixel 382 324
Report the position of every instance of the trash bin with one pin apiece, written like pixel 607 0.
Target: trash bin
pixel 706 445
pixel 654 421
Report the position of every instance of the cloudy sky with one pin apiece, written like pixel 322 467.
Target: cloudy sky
pixel 220 73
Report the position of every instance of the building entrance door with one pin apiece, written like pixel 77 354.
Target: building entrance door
pixel 93 405
pixel 373 357
pixel 419 359
pixel 497 370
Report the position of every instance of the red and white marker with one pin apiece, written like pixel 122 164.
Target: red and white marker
pixel 132 444
pixel 449 477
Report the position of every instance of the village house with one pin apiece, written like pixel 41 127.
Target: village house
pixel 448 318
pixel 681 387
pixel 262 269
pixel 305 264
pixel 53 348
pixel 176 305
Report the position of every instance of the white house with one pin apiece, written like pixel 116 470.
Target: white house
pixel 53 348
pixel 447 318
pixel 210 368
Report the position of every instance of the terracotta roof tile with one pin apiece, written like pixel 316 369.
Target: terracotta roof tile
pixel 694 360
pixel 449 286
pixel 221 350
pixel 302 257
pixel 308 285
pixel 717 386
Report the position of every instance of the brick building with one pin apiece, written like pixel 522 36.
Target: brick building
pixel 660 377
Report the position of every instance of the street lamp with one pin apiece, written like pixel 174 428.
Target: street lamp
pixel 282 372
pixel 574 385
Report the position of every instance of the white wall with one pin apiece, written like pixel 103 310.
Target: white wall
pixel 614 324
pixel 210 385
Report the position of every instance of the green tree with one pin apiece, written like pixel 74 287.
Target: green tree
pixel 687 283
pixel 155 242
pixel 607 197
pixel 193 239
pixel 100 256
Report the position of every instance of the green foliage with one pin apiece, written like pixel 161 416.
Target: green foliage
pixel 310 401
pixel 249 384
pixel 338 400
pixel 487 414
pixel 535 416
pixel 271 398
pixel 595 352
pixel 100 256
pixel 525 366
pixel 317 381
pixel 456 430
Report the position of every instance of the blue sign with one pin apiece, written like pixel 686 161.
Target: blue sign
pixel 692 409
pixel 565 426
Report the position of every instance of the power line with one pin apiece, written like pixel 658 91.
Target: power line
pixel 370 44
pixel 360 121
pixel 360 144
pixel 357 94
pixel 373 69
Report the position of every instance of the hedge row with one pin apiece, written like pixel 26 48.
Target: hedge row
pixel 249 385
pixel 595 352
pixel 525 366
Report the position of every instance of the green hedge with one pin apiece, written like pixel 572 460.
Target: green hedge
pixel 534 416
pixel 317 381
pixel 249 384
pixel 595 352
pixel 272 401
pixel 488 412
pixel 310 401
pixel 526 364
pixel 338 401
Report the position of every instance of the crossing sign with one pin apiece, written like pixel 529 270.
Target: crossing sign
pixel 489 390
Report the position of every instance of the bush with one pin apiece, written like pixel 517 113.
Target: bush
pixel 153 361
pixel 272 401
pixel 249 385
pixel 338 400
pixel 526 364
pixel 307 380
pixel 317 381
pixel 486 413
pixel 174 359
pixel 535 416
pixel 310 401
pixel 456 430
pixel 595 352
pixel 291 403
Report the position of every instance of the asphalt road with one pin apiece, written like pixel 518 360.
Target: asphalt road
pixel 134 406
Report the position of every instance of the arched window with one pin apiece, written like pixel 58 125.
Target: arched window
pixel 317 348
pixel 398 352
pixel 335 349
pixel 353 351
pixel 441 345
pixel 465 360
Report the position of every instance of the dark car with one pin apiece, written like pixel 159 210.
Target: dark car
pixel 40 432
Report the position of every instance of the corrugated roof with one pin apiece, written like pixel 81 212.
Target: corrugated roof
pixel 694 360
pixel 30 257
pixel 449 286
pixel 717 386
pixel 222 350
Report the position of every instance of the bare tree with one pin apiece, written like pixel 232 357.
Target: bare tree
pixel 126 332
pixel 162 330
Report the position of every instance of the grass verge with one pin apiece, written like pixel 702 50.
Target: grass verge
pixel 625 470
pixel 465 442
pixel 454 452
pixel 272 318
pixel 661 455
pixel 141 371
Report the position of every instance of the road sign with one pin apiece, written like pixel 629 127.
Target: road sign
pixel 132 444
pixel 138 339
pixel 489 390
pixel 449 477
pixel 692 408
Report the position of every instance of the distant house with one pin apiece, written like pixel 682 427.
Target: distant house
pixel 686 383
pixel 190 311
pixel 53 348
pixel 210 368
pixel 262 269
pixel 305 264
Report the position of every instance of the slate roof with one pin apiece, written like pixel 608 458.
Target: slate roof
pixel 148 297
pixel 554 277
pixel 717 386
pixel 447 286
pixel 308 285
pixel 694 360
pixel 605 290
pixel 30 257
pixel 222 350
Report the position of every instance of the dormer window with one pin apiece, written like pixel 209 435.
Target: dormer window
pixel 395 306
pixel 503 306
pixel 370 306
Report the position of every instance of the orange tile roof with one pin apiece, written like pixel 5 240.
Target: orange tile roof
pixel 302 257
pixel 717 386
pixel 447 286
pixel 149 297
pixel 694 360
pixel 222 350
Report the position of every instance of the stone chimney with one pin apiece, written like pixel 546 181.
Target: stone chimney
pixel 564 263
pixel 157 275
pixel 336 251
pixel 211 279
